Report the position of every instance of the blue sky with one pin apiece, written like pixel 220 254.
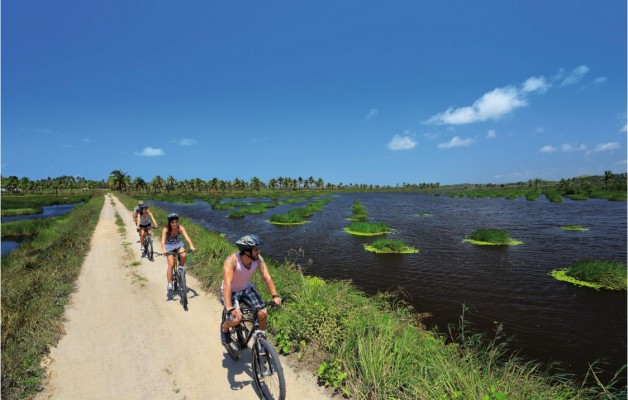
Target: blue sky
pixel 350 91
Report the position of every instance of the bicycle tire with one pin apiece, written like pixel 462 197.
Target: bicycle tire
pixel 149 246
pixel 183 290
pixel 268 372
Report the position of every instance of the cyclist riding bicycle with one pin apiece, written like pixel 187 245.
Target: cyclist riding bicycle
pixel 171 242
pixel 143 225
pixel 134 214
pixel 236 285
pixel 136 210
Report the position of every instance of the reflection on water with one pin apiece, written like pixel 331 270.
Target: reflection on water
pixel 550 320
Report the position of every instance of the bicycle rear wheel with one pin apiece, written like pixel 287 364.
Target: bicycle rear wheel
pixel 267 371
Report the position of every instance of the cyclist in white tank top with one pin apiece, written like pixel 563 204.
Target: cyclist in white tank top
pixel 171 241
pixel 143 224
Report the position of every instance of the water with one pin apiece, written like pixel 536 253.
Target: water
pixel 549 320
pixel 48 211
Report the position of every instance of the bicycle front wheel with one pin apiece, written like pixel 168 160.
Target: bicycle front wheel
pixel 149 248
pixel 267 371
pixel 183 289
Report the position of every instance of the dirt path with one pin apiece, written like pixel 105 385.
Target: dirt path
pixel 125 341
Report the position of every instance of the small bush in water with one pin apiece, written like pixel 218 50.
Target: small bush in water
pixel 595 273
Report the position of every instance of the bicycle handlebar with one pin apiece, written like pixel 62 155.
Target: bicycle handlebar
pixel 174 253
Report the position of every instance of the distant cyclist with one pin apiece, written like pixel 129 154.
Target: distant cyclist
pixel 236 285
pixel 135 214
pixel 171 242
pixel 143 221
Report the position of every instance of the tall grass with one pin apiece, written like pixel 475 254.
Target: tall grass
pixel 608 274
pixel 37 279
pixel 492 237
pixel 27 227
pixel 390 246
pixel 22 211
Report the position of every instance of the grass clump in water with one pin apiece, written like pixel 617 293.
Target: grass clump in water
pixel 491 237
pixel 368 228
pixel 236 214
pixel 390 246
pixel 607 274
pixel 22 211
pixel 573 228
pixel 287 219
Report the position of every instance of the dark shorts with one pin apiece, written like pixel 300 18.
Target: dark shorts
pixel 145 226
pixel 248 296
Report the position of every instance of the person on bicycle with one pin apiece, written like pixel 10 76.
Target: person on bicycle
pixel 143 225
pixel 137 209
pixel 236 284
pixel 171 242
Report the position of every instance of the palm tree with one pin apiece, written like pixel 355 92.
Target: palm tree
pixel 157 183
pixel 138 184
pixel 170 183
pixel 118 178
pixel 608 176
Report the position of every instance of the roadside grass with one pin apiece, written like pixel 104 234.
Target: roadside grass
pixel 607 274
pixel 37 279
pixel 492 237
pixel 368 228
pixel 390 246
pixel 375 347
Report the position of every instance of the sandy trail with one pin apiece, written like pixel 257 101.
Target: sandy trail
pixel 125 341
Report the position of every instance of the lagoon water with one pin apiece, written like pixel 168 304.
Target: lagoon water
pixel 48 211
pixel 547 319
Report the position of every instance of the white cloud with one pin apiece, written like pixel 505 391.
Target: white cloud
pixel 540 129
pixel 571 147
pixel 624 129
pixel 372 113
pixel 431 136
pixel 399 142
pixel 572 77
pixel 150 152
pixel 491 134
pixel 605 147
pixel 600 79
pixel 535 85
pixel 492 105
pixel 455 142
pixel 185 142
pixel 548 149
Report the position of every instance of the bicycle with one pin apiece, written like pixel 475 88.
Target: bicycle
pixel 267 369
pixel 148 242
pixel 178 277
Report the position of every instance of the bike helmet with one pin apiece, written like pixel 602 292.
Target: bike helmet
pixel 143 206
pixel 248 242
pixel 140 203
pixel 172 216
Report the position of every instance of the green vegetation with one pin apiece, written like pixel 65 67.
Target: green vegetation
pixel 491 237
pixel 390 246
pixel 368 228
pixel 597 274
pixel 236 214
pixel 22 211
pixel 358 211
pixel 287 219
pixel 35 290
pixel 573 228
pixel 27 227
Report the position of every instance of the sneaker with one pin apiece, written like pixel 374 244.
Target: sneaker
pixel 143 255
pixel 225 337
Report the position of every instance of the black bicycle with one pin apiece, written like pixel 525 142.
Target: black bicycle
pixel 267 369
pixel 178 277
pixel 148 242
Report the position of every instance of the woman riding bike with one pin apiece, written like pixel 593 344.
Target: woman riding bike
pixel 171 242
pixel 236 285
pixel 143 221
